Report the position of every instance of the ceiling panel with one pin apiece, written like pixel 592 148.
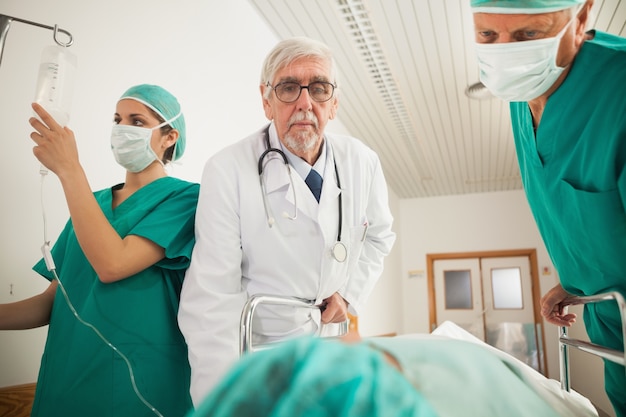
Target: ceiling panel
pixel 404 67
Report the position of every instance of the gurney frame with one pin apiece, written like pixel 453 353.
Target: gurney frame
pixel 245 331
pixel 565 342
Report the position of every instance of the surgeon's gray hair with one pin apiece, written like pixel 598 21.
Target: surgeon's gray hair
pixel 292 49
pixel 575 10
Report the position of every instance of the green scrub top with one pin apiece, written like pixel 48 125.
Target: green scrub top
pixel 80 374
pixel 574 175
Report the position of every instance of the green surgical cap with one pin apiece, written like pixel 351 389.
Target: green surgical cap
pixel 521 6
pixel 165 105
pixel 312 377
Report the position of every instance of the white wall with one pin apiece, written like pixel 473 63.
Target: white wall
pixel 469 223
pixel 196 52
pixel 207 53
pixel 483 222
pixel 383 313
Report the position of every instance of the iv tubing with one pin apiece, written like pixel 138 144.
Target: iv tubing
pixel 50 264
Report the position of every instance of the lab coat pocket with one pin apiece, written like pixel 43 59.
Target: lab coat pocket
pixel 358 234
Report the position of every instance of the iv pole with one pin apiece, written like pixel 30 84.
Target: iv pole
pixel 5 23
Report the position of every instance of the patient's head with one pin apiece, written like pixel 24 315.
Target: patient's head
pixel 314 377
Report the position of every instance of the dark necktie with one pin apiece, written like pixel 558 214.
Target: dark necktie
pixel 314 181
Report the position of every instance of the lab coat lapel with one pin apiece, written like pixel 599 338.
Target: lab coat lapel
pixel 276 173
pixel 307 204
pixel 328 214
pixel 329 223
pixel 277 180
pixel 325 212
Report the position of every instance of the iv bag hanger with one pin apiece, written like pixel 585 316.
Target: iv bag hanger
pixel 5 22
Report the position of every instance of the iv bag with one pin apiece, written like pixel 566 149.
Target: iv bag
pixel 55 83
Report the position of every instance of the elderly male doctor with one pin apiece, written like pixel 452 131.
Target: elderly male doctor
pixel 261 230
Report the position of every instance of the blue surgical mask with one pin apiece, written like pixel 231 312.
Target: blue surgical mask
pixel 520 71
pixel 131 146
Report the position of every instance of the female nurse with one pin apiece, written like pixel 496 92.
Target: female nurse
pixel 115 272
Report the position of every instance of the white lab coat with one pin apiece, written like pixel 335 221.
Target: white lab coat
pixel 237 254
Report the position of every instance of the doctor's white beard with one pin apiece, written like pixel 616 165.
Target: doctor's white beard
pixel 303 142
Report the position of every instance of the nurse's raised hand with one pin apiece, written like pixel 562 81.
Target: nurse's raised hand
pixel 55 145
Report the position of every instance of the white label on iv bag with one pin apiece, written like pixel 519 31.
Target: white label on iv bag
pixel 55 82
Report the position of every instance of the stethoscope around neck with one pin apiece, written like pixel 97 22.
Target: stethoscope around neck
pixel 339 251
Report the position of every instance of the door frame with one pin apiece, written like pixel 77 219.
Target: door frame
pixel 534 277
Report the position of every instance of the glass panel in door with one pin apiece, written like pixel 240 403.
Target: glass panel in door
pixel 458 294
pixel 509 315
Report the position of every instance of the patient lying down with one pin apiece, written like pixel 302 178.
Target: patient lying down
pixel 428 376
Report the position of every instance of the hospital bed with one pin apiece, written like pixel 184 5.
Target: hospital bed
pixel 557 393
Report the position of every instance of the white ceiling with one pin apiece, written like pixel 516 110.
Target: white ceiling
pixel 404 67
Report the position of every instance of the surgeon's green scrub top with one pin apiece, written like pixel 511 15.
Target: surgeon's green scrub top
pixel 80 375
pixel 574 175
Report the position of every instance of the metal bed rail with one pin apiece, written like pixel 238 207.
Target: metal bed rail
pixel 565 342
pixel 245 330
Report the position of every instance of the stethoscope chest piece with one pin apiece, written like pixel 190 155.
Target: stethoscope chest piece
pixel 339 252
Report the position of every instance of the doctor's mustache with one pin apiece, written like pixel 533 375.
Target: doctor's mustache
pixel 302 116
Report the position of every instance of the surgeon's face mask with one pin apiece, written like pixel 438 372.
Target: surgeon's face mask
pixel 520 71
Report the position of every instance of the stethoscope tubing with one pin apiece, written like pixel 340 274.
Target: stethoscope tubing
pixel 339 250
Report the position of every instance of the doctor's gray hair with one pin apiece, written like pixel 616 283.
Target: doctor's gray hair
pixel 292 49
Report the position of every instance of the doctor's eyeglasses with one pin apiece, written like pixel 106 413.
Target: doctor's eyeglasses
pixel 288 92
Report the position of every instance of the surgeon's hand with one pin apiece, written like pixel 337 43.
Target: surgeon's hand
pixel 553 311
pixel 334 309
pixel 56 146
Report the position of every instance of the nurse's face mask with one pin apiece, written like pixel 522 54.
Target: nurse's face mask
pixel 131 146
pixel 520 71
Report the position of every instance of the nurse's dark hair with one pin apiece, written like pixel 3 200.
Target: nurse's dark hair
pixel 292 49
pixel 169 152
